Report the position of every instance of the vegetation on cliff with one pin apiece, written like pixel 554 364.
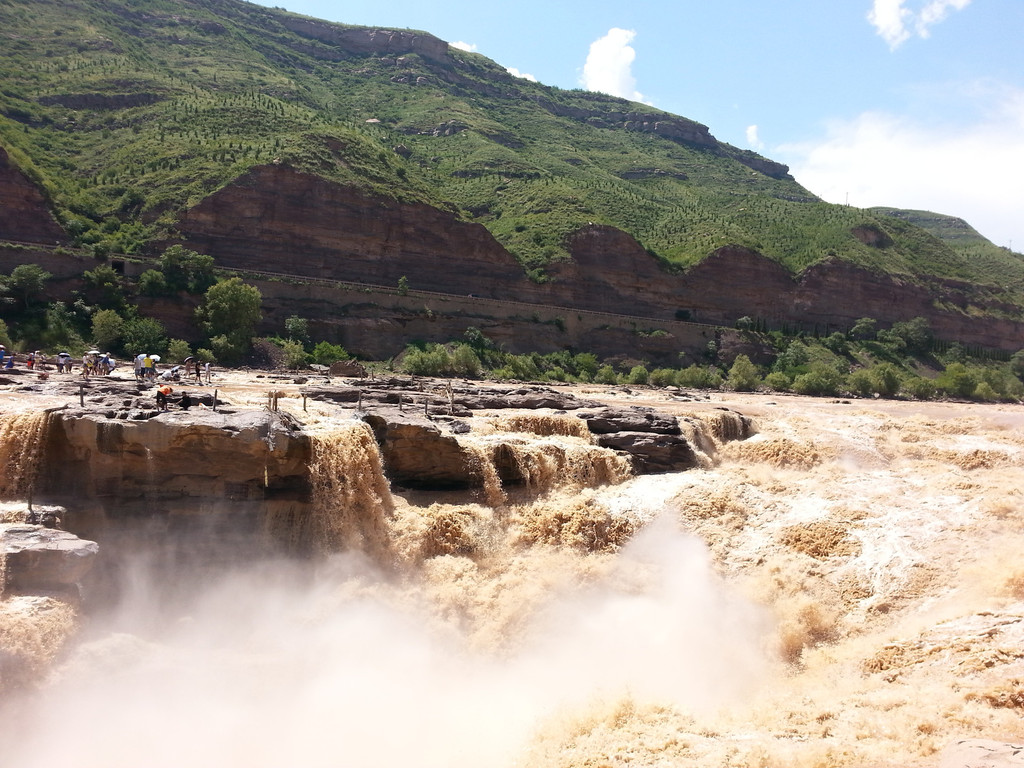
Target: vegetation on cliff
pixel 127 113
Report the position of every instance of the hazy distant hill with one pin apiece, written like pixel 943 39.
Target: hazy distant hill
pixel 131 113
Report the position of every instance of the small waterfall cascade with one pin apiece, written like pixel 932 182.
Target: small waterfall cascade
pixel 22 451
pixel 543 453
pixel 351 496
pixel 544 425
pixel 708 431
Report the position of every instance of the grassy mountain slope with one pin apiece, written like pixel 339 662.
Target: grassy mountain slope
pixel 129 111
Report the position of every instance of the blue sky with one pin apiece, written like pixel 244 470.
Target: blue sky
pixel 910 103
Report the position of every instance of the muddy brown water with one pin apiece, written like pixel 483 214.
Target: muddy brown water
pixel 845 588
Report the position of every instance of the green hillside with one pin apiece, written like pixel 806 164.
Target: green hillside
pixel 129 111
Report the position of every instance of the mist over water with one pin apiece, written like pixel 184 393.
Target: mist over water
pixel 340 665
pixel 843 589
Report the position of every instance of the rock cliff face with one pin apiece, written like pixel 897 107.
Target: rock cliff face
pixel 362 41
pixel 277 219
pixel 24 213
pixel 265 222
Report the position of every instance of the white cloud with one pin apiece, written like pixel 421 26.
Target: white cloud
pixel 893 21
pixel 971 171
pixel 753 140
pixel 516 73
pixel 463 46
pixel 609 66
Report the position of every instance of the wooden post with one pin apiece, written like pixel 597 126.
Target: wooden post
pixel 359 405
pixel 81 395
pixel 215 399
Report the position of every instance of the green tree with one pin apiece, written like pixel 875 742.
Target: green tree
pixel 885 379
pixel 958 380
pixel 107 329
pixel 152 282
pixel 103 287
pixel 778 381
pixel 60 327
pixel 403 285
pixel 585 363
pixel 143 335
pixel 918 388
pixel 297 328
pixel 178 350
pixel 860 382
pixel 743 375
pixel 916 334
pixel 186 270
pixel 231 309
pixel 864 328
pixel 699 377
pixel 1017 364
pixel 294 356
pixel 27 282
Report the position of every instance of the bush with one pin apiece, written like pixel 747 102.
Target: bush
pixel 662 377
pixel 778 381
pixel 638 374
pixel 107 329
pixel 859 382
pixel 326 353
pixel 697 377
pixel 743 375
pixel 885 379
pixel 606 375
pixel 822 381
pixel 918 388
pixel 432 361
pixel 465 362
pixel 178 350
pixel 294 355
pixel 958 380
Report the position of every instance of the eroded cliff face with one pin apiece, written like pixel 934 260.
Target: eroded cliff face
pixel 277 219
pixel 24 213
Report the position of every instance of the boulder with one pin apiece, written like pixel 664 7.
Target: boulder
pixel 40 558
pixel 610 420
pixel 652 453
pixel 417 454
pixel 349 368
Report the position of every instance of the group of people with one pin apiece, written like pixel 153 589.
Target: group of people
pixel 93 363
pixel 194 369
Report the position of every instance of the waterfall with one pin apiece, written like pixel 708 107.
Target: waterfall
pixel 351 497
pixel 22 451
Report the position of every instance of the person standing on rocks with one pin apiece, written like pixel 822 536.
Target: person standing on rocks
pixel 161 397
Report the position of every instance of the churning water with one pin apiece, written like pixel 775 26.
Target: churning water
pixel 841 590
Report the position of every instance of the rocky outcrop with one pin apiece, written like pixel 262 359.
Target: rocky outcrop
pixel 264 220
pixel 365 41
pixel 24 212
pixel 39 559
